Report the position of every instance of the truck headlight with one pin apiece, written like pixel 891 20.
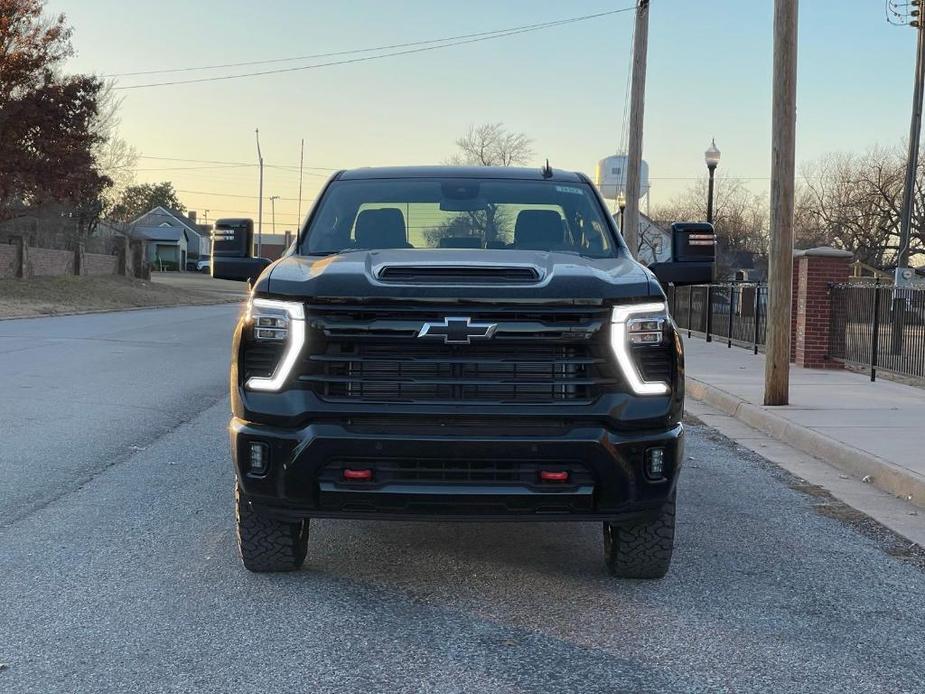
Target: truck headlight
pixel 278 322
pixel 642 325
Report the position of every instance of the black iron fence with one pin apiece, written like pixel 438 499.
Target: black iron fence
pixel 733 312
pixel 879 327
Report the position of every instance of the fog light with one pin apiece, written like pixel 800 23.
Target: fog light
pixel 655 463
pixel 554 475
pixel 260 458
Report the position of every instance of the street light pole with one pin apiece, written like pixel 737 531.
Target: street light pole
pixel 621 203
pixel 711 156
pixel 260 199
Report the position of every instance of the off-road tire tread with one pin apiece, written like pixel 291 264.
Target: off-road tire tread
pixel 642 550
pixel 267 544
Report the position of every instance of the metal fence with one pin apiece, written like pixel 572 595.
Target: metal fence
pixel 734 312
pixel 879 327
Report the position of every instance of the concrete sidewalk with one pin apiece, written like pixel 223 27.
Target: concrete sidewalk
pixel 872 431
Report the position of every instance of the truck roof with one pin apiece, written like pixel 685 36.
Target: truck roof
pixel 483 172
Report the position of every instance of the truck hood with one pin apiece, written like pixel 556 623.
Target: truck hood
pixel 558 277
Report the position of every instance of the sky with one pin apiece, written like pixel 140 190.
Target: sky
pixel 709 75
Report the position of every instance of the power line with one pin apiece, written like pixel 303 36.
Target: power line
pixel 388 47
pixel 199 168
pixel 626 96
pixel 898 13
pixel 234 163
pixel 410 51
pixel 230 195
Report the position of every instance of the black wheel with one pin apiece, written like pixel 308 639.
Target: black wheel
pixel 642 550
pixel 267 544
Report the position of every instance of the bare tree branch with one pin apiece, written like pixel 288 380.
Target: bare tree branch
pixel 491 144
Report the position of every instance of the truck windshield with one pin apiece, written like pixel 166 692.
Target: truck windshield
pixel 459 213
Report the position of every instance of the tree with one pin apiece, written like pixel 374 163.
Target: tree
pixel 491 144
pixel 740 217
pixel 135 200
pixel 115 157
pixel 852 201
pixel 46 135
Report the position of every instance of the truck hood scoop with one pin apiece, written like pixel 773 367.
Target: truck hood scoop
pixel 459 274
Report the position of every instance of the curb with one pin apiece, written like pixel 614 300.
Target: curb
pixel 882 474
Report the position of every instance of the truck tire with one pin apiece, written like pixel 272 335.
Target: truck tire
pixel 267 544
pixel 642 550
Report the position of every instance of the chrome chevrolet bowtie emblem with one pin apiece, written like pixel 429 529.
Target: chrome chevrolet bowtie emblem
pixel 458 331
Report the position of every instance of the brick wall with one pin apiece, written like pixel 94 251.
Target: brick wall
pixel 814 271
pixel 96 264
pixel 8 258
pixel 44 262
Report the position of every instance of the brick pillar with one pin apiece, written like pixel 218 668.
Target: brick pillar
pixel 814 270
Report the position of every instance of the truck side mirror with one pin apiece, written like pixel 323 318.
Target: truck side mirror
pixel 693 255
pixel 240 269
pixel 232 241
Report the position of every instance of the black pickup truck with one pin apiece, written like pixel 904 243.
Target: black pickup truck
pixel 457 344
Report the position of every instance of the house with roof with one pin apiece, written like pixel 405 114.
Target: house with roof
pixel 170 238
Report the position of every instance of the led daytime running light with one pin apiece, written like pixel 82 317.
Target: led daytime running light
pixel 621 349
pixel 295 341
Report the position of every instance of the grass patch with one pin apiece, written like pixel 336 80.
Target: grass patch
pixel 67 294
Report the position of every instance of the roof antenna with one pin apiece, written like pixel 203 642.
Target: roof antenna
pixel 547 170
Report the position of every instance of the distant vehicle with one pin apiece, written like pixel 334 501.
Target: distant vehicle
pixel 204 264
pixel 459 344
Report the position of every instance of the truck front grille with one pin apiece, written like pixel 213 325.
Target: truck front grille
pixel 535 356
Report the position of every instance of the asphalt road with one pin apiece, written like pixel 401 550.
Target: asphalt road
pixel 79 392
pixel 119 571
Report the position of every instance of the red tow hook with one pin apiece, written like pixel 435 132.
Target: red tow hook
pixel 364 475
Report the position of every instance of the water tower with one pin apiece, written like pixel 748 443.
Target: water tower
pixel 611 177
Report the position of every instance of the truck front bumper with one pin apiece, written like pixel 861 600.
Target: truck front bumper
pixel 453 475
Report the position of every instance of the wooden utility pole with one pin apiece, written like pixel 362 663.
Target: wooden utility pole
pixel 301 175
pixel 637 112
pixel 260 199
pixel 783 172
pixel 915 129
